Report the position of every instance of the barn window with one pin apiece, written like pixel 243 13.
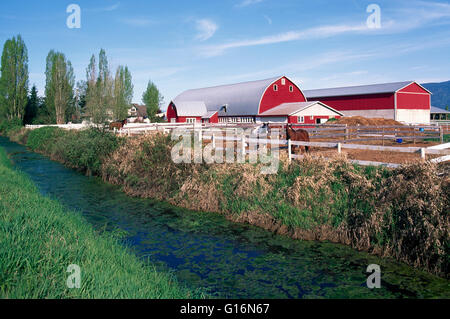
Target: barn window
pixel 301 119
pixel 275 87
pixel 291 88
pixel 191 120
pixel 283 81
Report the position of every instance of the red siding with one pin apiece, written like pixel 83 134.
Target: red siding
pixel 359 102
pixel 413 97
pixel 415 88
pixel 273 98
pixel 171 113
pixel 413 101
pixel 212 119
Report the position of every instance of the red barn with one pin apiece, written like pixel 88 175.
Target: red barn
pixel 407 102
pixel 271 100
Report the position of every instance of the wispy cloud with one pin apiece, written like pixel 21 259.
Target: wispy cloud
pixel 111 7
pixel 306 64
pixel 137 22
pixel 246 3
pixel 416 14
pixel 268 19
pixel 313 33
pixel 206 29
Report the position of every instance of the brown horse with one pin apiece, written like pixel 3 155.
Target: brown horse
pixel 118 125
pixel 297 135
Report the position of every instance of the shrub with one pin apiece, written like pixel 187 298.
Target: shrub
pixel 6 126
pixel 86 150
pixel 41 139
pixel 82 150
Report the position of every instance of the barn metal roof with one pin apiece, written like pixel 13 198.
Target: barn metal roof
pixel 191 108
pixel 209 114
pixel 241 99
pixel 287 109
pixel 358 90
pixel 435 109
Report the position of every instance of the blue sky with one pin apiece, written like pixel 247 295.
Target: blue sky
pixel 188 44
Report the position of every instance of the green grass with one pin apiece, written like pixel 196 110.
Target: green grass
pixel 446 139
pixel 39 239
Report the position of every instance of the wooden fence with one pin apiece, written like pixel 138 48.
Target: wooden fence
pixel 243 141
pixel 333 132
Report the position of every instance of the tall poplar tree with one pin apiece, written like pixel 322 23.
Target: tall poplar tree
pixel 14 79
pixel 99 92
pixel 60 82
pixel 123 93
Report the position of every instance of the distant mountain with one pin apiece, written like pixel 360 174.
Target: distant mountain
pixel 441 93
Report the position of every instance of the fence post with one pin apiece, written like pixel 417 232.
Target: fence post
pixel 129 133
pixel 289 150
pixel 423 154
pixel 213 140
pixel 243 145
pixel 346 132
pixel 339 147
pixel 441 134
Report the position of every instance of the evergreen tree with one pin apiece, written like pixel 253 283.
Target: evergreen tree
pixel 80 98
pixel 14 79
pixel 152 99
pixel 31 110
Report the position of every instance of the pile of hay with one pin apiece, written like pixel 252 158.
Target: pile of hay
pixel 359 120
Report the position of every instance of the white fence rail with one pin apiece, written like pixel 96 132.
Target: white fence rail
pixel 63 126
pixel 243 140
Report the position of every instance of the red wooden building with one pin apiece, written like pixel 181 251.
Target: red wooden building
pixel 407 102
pixel 272 100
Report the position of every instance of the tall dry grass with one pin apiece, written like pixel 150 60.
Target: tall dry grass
pixel 401 213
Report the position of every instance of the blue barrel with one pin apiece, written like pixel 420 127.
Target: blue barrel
pixel 422 129
pixel 399 140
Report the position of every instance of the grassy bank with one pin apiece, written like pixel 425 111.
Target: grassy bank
pixel 39 239
pixel 401 213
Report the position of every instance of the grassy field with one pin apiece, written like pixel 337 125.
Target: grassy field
pixel 39 239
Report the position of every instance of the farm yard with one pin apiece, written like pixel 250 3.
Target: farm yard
pixel 367 141
pixel 244 149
